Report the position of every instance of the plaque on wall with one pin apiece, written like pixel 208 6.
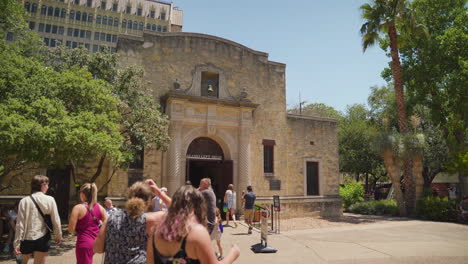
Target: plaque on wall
pixel 275 185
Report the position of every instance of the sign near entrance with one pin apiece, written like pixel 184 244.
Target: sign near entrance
pixel 204 157
pixel 276 203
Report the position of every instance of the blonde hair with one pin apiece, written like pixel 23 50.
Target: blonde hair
pixel 90 192
pixel 139 195
pixel 231 187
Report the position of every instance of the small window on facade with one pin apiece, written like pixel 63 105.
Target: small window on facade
pixel 148 26
pixel 82 33
pixel 44 10
pixel 68 44
pixel 114 38
pixel 95 48
pixel 90 18
pixel 128 10
pixel 159 28
pixel 164 29
pixel 152 13
pixel 104 20
pixel 163 16
pixel 89 3
pixel 88 34
pixel 139 11
pixel 268 155
pixel 114 6
pixel 87 46
pixel 57 12
pixel 76 33
pixel 98 19
pixel 77 2
pixel 84 16
pixel 34 8
pixel 312 178
pixel 153 27
pixel 78 15
pixel 61 30
pixel 109 37
pixel 138 160
pixel 41 27
pixel 64 13
pixel 32 25
pixel 48 27
pixel 124 23
pixel 72 14
pixel 96 35
pixel 46 41
pixel 103 5
pixel 140 26
pixel 209 84
pixel 103 37
pixel 50 11
pixel 54 29
pixel 69 32
pixel 53 42
pixel 135 25
pixel 27 6
pixel 116 22
pixel 111 21
pixel 130 24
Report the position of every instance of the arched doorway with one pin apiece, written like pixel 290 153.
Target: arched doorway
pixel 205 159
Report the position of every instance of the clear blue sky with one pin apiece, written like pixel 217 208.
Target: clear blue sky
pixel 318 40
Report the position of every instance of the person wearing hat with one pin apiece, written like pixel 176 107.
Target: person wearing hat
pixel 249 204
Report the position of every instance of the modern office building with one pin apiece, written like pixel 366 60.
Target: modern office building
pixel 97 23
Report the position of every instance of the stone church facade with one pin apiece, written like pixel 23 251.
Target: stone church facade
pixel 228 121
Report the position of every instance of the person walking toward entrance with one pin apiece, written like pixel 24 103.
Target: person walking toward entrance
pixel 85 220
pixel 230 200
pixel 249 199
pixel 32 235
pixel 210 201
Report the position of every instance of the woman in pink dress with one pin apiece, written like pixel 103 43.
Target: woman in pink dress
pixel 85 220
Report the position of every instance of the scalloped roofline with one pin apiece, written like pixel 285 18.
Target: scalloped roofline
pixel 206 36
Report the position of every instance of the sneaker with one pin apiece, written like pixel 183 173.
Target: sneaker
pixel 220 258
pixel 250 230
pixel 235 224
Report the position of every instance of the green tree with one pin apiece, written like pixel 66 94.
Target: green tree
pixel 358 156
pixel 316 109
pixel 436 71
pixel 52 118
pixel 391 18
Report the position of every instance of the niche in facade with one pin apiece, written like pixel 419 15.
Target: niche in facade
pixel 209 84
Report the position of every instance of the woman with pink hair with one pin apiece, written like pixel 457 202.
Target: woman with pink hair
pixel 180 234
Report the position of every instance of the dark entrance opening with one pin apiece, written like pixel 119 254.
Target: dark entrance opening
pixel 205 159
pixel 59 188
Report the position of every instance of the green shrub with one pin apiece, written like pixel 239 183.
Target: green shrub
pixel 352 193
pixel 436 209
pixel 382 207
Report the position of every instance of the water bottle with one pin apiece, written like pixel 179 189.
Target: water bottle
pixel 19 259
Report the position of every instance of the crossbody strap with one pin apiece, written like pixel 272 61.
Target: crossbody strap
pixel 40 212
pixel 94 217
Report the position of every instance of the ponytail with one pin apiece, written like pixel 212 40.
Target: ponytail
pixel 90 192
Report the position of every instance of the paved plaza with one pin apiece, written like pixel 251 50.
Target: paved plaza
pixel 350 239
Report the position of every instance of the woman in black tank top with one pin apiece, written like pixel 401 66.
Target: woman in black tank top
pixel 180 233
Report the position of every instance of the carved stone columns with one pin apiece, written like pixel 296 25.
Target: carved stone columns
pixel 174 170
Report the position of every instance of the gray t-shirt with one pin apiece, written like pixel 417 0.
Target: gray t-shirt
pixel 210 199
pixel 250 200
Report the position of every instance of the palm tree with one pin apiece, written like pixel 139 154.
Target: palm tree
pixel 381 17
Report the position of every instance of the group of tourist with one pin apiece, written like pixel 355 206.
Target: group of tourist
pixel 152 228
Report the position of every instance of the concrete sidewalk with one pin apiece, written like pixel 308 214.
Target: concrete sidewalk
pixel 405 241
pixel 410 241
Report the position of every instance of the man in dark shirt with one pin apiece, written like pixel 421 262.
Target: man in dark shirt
pixel 210 199
pixel 249 199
